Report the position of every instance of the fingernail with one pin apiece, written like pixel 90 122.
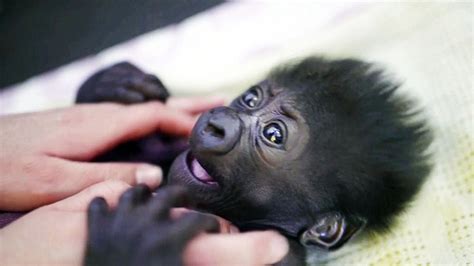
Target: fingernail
pixel 233 229
pixel 149 175
pixel 278 247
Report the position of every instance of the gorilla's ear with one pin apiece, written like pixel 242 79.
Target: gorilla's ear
pixel 331 230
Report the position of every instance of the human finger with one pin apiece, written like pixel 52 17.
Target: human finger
pixel 109 190
pixel 253 248
pixel 93 129
pixel 195 105
pixel 83 174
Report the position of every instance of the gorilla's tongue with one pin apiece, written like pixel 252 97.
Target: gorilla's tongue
pixel 200 173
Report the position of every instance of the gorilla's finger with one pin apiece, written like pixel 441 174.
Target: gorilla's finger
pixel 120 94
pixel 119 70
pixel 141 194
pixel 165 199
pixel 96 213
pixel 194 223
pixel 174 196
pixel 126 66
pixel 126 95
pixel 125 201
pixel 132 197
pixel 149 86
pixel 154 79
pixel 98 207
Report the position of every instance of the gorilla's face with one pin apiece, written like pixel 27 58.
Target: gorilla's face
pixel 244 160
pixel 317 151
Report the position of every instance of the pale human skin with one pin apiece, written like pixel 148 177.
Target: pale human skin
pixel 43 156
pixel 55 235
pixel 43 163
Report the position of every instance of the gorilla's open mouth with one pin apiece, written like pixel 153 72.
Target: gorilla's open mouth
pixel 198 172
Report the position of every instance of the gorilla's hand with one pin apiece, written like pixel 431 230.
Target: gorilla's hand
pixel 122 83
pixel 140 231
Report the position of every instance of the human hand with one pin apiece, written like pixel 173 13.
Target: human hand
pixel 56 235
pixel 43 155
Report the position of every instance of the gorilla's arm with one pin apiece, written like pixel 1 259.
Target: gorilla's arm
pixel 140 231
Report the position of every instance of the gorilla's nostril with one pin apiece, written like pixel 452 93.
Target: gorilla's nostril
pixel 217 131
pixel 214 131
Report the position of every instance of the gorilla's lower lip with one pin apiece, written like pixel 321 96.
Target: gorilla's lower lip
pixel 198 171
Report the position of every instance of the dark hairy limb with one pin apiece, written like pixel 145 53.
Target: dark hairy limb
pixel 122 83
pixel 140 231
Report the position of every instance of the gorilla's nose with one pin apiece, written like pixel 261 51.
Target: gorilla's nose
pixel 216 131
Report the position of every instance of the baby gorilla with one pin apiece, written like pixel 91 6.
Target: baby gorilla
pixel 319 150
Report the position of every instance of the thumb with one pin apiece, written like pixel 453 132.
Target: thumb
pixel 253 248
pixel 83 174
pixel 110 190
pixel 195 105
pixel 131 173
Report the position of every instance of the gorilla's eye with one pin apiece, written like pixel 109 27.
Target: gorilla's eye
pixel 251 98
pixel 273 133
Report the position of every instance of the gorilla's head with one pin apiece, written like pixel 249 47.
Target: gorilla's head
pixel 317 150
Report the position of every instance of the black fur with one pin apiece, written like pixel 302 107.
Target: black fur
pixel 140 231
pixel 369 138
